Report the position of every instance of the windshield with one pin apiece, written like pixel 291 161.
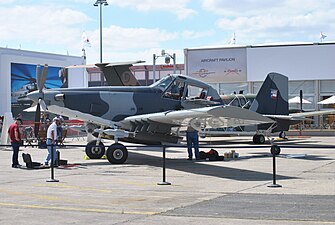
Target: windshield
pixel 163 83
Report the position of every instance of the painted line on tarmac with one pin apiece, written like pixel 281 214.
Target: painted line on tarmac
pixel 77 209
pixel 74 187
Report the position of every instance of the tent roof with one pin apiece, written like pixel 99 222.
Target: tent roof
pixel 297 100
pixel 330 100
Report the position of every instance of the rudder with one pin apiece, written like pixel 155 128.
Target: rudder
pixel 272 98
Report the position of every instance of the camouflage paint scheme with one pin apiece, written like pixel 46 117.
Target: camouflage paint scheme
pixel 114 104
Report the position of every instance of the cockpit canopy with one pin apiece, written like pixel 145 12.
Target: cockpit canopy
pixel 180 87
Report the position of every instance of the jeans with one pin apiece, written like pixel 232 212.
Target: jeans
pixel 50 145
pixel 193 141
pixel 16 148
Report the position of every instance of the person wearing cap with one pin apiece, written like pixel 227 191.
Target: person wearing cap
pixel 51 140
pixel 15 140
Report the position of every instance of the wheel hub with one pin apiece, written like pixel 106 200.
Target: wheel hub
pixel 96 150
pixel 118 154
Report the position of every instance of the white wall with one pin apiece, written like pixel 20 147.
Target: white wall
pixel 304 62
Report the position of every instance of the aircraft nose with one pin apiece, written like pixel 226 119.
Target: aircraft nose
pixel 35 95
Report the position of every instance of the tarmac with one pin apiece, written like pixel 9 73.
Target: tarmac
pixel 233 191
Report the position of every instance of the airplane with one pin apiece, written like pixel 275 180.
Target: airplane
pixel 113 73
pixel 149 114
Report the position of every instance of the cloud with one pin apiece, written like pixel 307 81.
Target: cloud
pixel 123 39
pixel 177 7
pixel 6 2
pixel 128 42
pixel 45 24
pixel 189 34
pixel 273 20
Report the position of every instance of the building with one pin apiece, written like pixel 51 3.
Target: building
pixel 310 67
pixel 18 77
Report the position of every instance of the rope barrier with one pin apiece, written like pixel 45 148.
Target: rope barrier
pixel 200 146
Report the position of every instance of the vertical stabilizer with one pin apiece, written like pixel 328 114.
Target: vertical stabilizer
pixel 272 98
pixel 119 74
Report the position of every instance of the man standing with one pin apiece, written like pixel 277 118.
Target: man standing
pixel 192 138
pixel 15 140
pixel 51 140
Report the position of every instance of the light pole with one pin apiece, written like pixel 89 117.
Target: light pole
pixel 100 3
pixel 167 61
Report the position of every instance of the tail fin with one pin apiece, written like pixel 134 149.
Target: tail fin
pixel 119 74
pixel 272 98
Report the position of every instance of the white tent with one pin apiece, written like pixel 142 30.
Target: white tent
pixel 330 100
pixel 296 100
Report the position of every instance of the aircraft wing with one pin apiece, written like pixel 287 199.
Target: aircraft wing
pixel 300 116
pixel 209 117
pixel 81 116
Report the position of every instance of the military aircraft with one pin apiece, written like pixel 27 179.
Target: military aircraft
pixel 119 74
pixel 149 114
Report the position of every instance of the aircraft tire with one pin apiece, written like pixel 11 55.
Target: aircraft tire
pixel 117 154
pixel 258 139
pixel 275 150
pixel 93 151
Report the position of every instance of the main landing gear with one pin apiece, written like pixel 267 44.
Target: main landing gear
pixel 116 153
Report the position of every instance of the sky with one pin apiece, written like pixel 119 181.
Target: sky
pixel 135 30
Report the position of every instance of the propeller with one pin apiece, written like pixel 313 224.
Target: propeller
pixel 41 77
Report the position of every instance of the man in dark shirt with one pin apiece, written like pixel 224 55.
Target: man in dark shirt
pixel 15 140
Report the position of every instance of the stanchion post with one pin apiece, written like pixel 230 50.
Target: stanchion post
pixel 52 179
pixel 164 182
pixel 274 184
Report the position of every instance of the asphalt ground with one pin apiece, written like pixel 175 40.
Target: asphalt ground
pixel 233 191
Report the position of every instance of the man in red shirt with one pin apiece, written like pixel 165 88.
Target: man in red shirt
pixel 15 140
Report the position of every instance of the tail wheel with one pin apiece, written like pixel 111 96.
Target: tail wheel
pixel 275 150
pixel 94 151
pixel 117 154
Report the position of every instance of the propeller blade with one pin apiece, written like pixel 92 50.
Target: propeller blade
pixel 37 120
pixel 41 76
pixel 41 102
pixel 38 77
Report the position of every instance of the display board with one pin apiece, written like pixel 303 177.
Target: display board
pixel 223 65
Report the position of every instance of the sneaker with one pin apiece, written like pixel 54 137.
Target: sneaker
pixel 16 166
pixel 189 159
